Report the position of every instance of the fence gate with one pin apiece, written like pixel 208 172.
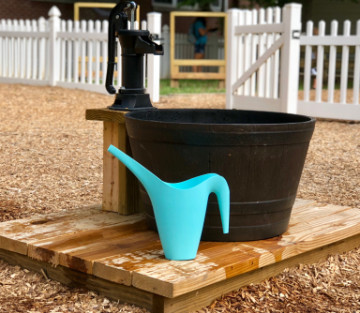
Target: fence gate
pixel 263 59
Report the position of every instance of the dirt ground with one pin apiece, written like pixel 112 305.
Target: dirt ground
pixel 51 160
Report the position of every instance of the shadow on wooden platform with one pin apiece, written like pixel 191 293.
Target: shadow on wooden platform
pixel 117 256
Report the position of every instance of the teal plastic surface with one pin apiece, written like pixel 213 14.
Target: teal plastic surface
pixel 180 208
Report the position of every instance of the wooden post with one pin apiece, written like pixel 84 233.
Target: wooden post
pixel 290 55
pixel 120 187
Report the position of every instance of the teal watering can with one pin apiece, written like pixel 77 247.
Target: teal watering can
pixel 180 208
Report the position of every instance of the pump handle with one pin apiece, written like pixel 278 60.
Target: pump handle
pixel 117 21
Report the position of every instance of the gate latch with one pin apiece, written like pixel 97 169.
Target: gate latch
pixel 296 34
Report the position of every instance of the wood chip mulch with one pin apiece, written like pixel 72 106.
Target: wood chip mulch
pixel 51 161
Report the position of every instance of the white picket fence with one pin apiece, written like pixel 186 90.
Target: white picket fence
pixel 65 53
pixel 263 64
pixel 336 60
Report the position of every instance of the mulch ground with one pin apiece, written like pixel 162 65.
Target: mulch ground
pixel 51 160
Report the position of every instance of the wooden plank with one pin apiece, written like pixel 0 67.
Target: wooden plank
pixel 197 75
pixel 104 114
pixel 205 296
pixel 192 272
pixel 114 172
pixel 52 248
pixel 302 204
pixel 123 263
pixel 210 265
pixel 15 235
pixel 130 257
pixel 72 278
pixel 184 303
pixel 120 187
pixel 203 62
pixel 82 259
pixel 129 254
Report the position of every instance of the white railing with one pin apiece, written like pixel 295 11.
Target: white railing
pixel 334 62
pixel 65 53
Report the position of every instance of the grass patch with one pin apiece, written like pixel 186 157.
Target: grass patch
pixel 190 86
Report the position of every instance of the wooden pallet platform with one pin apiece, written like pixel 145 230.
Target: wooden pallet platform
pixel 117 256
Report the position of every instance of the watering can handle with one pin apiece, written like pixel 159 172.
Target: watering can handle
pixel 117 21
pixel 221 188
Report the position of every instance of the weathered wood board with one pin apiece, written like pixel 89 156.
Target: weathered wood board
pixel 120 187
pixel 120 250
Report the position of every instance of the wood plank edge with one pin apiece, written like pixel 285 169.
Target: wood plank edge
pixel 113 274
pixel 72 278
pixel 205 296
pixel 190 301
pixel 105 114
pixel 13 245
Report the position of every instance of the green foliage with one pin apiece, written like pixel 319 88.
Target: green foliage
pixel 204 5
pixel 190 86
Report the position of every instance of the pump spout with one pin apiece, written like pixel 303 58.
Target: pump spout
pixel 144 44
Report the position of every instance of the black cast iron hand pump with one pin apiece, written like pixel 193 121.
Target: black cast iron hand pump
pixel 134 45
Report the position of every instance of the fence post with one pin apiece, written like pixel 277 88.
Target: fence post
pixel 153 65
pixel 231 57
pixel 42 50
pixel 356 82
pixel 54 27
pixel 290 54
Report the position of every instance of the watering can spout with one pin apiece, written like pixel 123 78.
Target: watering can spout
pixel 146 177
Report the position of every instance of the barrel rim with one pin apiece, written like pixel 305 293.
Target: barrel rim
pixel 134 116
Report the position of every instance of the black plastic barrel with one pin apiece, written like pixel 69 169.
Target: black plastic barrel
pixel 261 155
